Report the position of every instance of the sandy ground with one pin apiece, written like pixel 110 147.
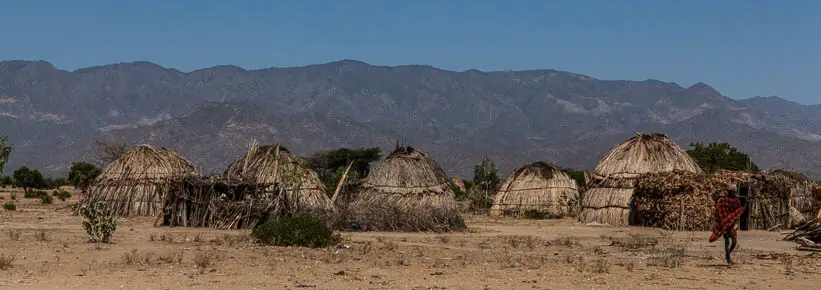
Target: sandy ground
pixel 50 251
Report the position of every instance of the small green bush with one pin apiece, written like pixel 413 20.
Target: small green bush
pixel 46 199
pixel 10 206
pixel 13 196
pixel 34 194
pixel 98 222
pixel 299 230
pixel 62 194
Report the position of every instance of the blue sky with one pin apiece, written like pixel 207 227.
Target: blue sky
pixel 742 48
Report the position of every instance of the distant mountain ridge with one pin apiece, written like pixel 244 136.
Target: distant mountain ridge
pixel 515 117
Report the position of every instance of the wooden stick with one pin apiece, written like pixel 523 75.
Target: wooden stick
pixel 341 181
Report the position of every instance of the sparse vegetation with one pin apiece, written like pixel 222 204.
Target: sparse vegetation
pixel 46 199
pixel 299 230
pixel 486 181
pixel 202 260
pixel 98 222
pixel 41 236
pixel 29 179
pixel 331 164
pixel 670 257
pixel 9 206
pixel 634 242
pixel 82 174
pixel 34 194
pixel 6 262
pixel 14 235
pixel 716 156
pixel 62 194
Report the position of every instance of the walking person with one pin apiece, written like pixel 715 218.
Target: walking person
pixel 728 211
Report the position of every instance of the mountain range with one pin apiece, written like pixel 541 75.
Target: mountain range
pixel 52 116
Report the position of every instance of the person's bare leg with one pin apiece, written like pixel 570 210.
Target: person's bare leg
pixel 728 249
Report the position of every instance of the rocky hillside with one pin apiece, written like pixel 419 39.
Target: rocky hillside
pixel 210 115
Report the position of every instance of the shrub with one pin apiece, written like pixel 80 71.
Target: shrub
pixel 98 222
pixel 5 262
pixel 10 206
pixel 34 194
pixel 46 199
pixel 299 230
pixel 13 196
pixel 62 194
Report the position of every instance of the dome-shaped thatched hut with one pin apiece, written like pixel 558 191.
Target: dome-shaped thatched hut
pixel 135 184
pixel 609 198
pixel 407 191
pixel 539 187
pixel 274 165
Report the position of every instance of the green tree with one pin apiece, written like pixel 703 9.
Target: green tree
pixel 82 174
pixel 485 182
pixel 29 179
pixel 331 164
pixel 580 176
pixel 716 156
pixel 5 150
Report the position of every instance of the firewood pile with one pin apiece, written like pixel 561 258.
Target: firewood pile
pixel 807 235
pixel 677 200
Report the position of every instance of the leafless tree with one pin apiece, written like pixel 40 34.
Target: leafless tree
pixel 110 150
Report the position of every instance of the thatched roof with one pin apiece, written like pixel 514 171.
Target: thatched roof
pixel 408 171
pixel 135 184
pixel 147 164
pixel 407 191
pixel 538 186
pixel 644 153
pixel 274 165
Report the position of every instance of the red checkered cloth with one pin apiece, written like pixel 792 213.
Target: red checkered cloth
pixel 728 210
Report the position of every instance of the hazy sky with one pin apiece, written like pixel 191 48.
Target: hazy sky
pixel 743 48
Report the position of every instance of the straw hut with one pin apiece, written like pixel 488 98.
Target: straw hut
pixel 275 167
pixel 539 187
pixel 407 191
pixel 135 184
pixel 610 196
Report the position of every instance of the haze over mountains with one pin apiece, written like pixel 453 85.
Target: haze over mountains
pixel 210 115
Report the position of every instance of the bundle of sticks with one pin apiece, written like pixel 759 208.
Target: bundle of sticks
pixel 676 200
pixel 807 235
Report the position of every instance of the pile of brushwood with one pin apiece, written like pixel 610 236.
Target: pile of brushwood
pixel 807 235
pixel 676 200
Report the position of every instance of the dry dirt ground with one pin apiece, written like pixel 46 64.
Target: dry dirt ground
pixel 50 251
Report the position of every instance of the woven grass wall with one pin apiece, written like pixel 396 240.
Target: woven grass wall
pixel 275 166
pixel 135 184
pixel 609 198
pixel 539 187
pixel 407 191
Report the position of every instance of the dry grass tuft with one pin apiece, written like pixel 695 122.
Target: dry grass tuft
pixel 6 262
pixel 564 241
pixel 634 242
pixel 173 257
pixel 670 257
pixel 41 236
pixel 131 257
pixel 14 235
pixel 203 260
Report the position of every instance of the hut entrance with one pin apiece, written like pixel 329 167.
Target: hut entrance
pixel 744 195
